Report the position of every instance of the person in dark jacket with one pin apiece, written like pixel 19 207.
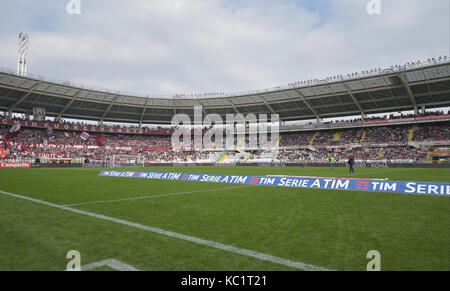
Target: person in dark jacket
pixel 351 162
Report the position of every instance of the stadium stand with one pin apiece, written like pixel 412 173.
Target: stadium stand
pixel 301 138
pixel 433 132
pixel 383 134
pixel 381 143
pixel 113 126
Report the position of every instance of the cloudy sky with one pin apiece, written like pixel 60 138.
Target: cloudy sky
pixel 163 47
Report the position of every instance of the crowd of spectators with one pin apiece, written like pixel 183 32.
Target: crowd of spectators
pixel 359 120
pixel 37 143
pixel 432 132
pixel 293 139
pixel 359 154
pixel 351 136
pixel 324 137
pixel 386 134
pixel 382 134
pixel 407 153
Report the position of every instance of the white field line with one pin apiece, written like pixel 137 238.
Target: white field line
pixel 392 170
pixel 227 248
pixel 351 175
pixel 155 196
pixel 112 263
pixel 319 177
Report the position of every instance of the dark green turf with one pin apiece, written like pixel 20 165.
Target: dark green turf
pixel 331 229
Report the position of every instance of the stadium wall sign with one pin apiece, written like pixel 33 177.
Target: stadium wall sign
pixel 54 165
pixel 93 165
pixel 329 183
pixel 15 165
pixel 81 146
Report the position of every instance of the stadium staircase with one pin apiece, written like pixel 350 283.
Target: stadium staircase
pixel 411 133
pixel 380 154
pixel 222 158
pixel 363 137
pixel 428 158
pixel 338 135
pixel 279 139
pixel 239 143
pixel 313 138
pixel 250 157
pixel 265 156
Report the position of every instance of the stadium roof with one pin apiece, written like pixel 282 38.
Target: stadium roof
pixel 396 89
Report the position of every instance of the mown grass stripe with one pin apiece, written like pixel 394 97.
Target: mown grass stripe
pixel 228 248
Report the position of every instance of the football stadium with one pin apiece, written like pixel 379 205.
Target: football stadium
pixel 349 172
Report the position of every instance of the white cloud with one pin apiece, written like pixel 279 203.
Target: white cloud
pixel 165 47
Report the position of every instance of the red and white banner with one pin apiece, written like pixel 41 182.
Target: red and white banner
pixel 432 117
pixel 440 154
pixel 14 128
pixel 84 135
pixel 90 128
pixel 386 144
pixel 75 146
pixel 407 119
pixel 15 165
pixel 156 149
pixel 87 128
pixel 432 142
pixel 384 121
pixel 3 153
pixel 3 142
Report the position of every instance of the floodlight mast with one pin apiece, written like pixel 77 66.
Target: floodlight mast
pixel 22 54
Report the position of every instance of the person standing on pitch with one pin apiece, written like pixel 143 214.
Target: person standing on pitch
pixel 351 162
pixel 331 162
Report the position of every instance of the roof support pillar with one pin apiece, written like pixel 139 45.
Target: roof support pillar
pixel 302 97
pixel 143 113
pixel 24 96
pixel 142 116
pixel 268 105
pixel 349 91
pixel 109 108
pixel 232 105
pixel 68 104
pixel 410 94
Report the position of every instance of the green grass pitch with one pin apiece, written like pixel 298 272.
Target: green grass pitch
pixel 326 228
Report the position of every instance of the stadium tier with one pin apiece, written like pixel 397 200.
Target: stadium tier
pixel 404 140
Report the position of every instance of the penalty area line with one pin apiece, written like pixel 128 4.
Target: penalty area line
pixel 155 196
pixel 208 243
pixel 112 263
